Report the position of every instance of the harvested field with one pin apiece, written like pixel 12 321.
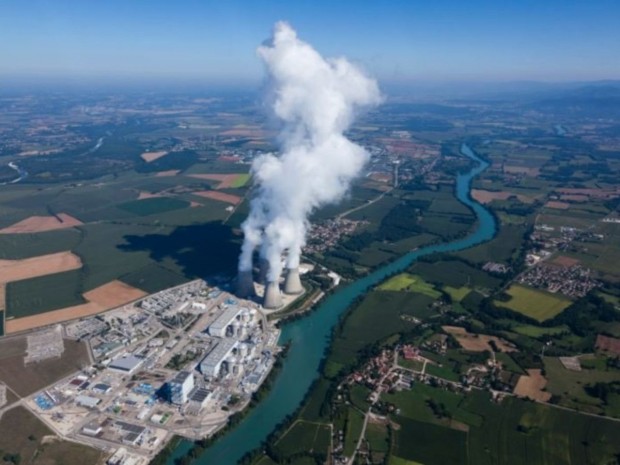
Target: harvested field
pixel 147 195
pixel 597 193
pixel 16 270
pixel 106 297
pixel 221 196
pixel 163 174
pixel 113 294
pixel 557 205
pixel 477 342
pixel 565 261
pixel 2 296
pixel 152 156
pixel 35 224
pixel 485 197
pixel 532 385
pixel 26 379
pixel 253 132
pixel 514 169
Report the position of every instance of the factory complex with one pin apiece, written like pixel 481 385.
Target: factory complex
pixel 178 362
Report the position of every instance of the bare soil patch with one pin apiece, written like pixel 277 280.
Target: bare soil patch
pixel 575 198
pixel 484 196
pixel 514 169
pixel 35 224
pixel 563 260
pixel 532 385
pixel 147 195
pixel 106 297
pixel 26 379
pixel 163 174
pixel 225 180
pixel 152 156
pixel 16 270
pixel 221 196
pixel 478 342
pixel 557 205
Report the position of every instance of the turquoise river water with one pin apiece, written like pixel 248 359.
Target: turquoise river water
pixel 310 336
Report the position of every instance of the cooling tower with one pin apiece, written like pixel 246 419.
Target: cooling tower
pixel 273 299
pixel 263 269
pixel 245 284
pixel 292 283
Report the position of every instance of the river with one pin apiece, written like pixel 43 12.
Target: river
pixel 310 336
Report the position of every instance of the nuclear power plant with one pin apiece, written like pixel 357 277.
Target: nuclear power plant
pixel 272 297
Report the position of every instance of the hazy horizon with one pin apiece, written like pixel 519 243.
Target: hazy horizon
pixel 400 42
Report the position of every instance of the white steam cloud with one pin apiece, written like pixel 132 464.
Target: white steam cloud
pixel 316 99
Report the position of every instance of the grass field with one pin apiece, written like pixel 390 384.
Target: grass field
pixel 355 423
pixel 240 181
pixel 153 206
pixel 533 303
pixel 457 293
pixel 27 437
pixel 540 331
pixel 410 283
pixel 19 246
pixel 569 384
pixel 454 273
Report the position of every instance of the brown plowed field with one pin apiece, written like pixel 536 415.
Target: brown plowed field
pixel 16 270
pixel 106 297
pixel 226 180
pixel 42 223
pixel 152 156
pixel 477 342
pixel 163 174
pixel 221 196
pixel 532 386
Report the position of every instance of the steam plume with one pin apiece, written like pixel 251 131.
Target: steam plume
pixel 316 99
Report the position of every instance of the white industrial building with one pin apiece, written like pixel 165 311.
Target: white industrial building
pixel 222 322
pixel 211 364
pixel 181 386
pixel 126 364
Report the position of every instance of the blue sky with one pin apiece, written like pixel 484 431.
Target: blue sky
pixel 397 41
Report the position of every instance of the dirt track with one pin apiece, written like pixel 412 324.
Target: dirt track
pixel 106 297
pixel 16 270
pixel 42 223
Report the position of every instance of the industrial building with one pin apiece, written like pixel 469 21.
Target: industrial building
pixel 87 401
pixel 126 364
pixel 220 325
pixel 211 364
pixel 180 387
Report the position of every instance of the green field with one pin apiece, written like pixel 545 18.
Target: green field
pixel 533 303
pixel 37 295
pixel 540 331
pixel 355 423
pixel 410 283
pixel 241 180
pixel 153 206
pixel 304 437
pixel 457 293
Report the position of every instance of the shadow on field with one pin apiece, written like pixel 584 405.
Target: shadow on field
pixel 199 250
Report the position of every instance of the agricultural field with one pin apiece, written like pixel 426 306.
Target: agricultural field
pixel 533 303
pixel 304 436
pixel 409 283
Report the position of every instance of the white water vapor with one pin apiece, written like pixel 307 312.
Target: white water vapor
pixel 316 99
